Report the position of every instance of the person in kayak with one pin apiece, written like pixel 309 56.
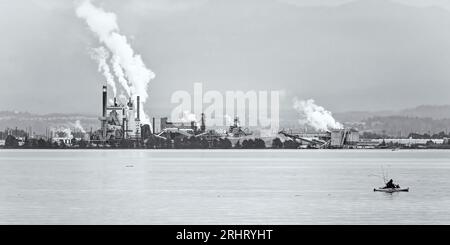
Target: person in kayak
pixel 390 184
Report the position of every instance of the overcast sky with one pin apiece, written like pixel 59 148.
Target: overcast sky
pixel 347 55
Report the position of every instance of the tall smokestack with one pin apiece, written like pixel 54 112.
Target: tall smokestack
pixel 105 97
pixel 123 123
pixel 203 126
pixel 153 125
pixel 138 107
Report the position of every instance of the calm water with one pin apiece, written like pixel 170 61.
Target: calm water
pixel 222 187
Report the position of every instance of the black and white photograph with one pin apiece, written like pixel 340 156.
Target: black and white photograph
pixel 258 113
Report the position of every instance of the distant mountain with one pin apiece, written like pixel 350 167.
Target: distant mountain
pixel 431 111
pixel 424 111
pixel 403 125
pixel 39 123
pixel 420 119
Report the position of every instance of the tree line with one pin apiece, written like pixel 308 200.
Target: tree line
pixel 152 142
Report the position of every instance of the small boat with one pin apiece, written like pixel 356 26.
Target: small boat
pixel 391 190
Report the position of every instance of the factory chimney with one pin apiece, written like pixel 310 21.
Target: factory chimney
pixel 124 119
pixel 153 125
pixel 138 107
pixel 203 126
pixel 138 120
pixel 105 97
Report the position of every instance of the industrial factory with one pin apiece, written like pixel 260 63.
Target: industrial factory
pixel 121 125
pixel 121 121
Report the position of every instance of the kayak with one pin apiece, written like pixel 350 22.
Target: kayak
pixel 390 190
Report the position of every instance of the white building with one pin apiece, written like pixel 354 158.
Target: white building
pixel 67 140
pixel 409 141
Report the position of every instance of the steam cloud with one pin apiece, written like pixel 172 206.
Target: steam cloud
pixel 78 126
pixel 128 67
pixel 315 116
pixel 101 55
pixel 118 71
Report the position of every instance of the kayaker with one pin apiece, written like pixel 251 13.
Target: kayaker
pixel 390 184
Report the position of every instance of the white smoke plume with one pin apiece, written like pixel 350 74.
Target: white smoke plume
pixel 118 71
pixel 104 25
pixel 101 55
pixel 122 99
pixel 78 126
pixel 315 116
